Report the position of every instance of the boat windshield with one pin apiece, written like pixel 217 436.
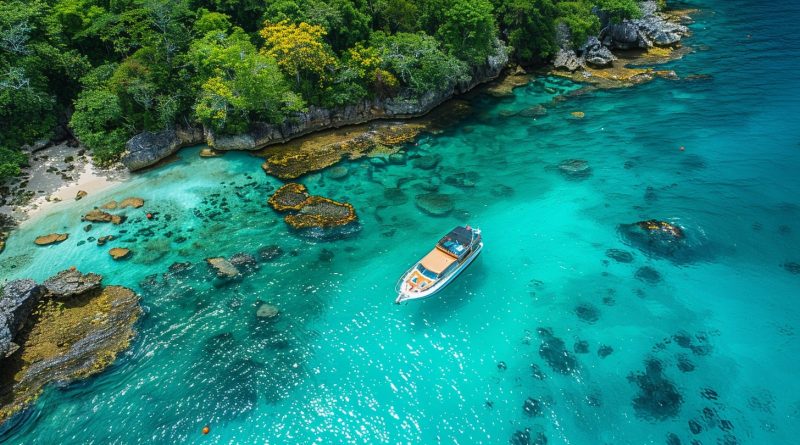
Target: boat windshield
pixel 427 273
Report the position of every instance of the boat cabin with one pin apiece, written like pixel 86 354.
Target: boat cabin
pixel 447 255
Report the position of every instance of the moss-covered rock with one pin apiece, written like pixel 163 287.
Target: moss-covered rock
pixel 67 340
pixel 322 212
pixel 292 196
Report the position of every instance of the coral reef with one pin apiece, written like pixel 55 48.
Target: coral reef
pixel 311 212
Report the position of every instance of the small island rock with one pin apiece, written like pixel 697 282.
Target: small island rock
pixel 119 253
pixel 53 238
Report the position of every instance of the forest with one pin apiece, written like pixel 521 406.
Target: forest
pixel 105 70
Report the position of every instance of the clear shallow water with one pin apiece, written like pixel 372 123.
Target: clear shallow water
pixel 342 364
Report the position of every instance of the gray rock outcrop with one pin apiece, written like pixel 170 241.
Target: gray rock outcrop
pixel 567 59
pixel 596 54
pixel 652 29
pixel 147 148
pixel 71 282
pixel 17 301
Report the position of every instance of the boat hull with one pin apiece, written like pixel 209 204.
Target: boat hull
pixel 441 284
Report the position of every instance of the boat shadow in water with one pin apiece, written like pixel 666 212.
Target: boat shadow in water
pixel 447 303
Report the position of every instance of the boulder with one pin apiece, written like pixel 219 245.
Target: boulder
pixel 338 172
pixel 652 29
pixel 575 168
pixel 657 237
pixel 436 204
pixel 596 54
pixel 428 162
pixel 53 238
pixel 209 153
pixel 104 239
pixel 131 202
pixel 70 283
pixel 269 253
pixel 223 267
pixel 119 253
pixel 147 148
pixel 244 261
pixel 18 300
pixel 568 60
pixel 97 215
pixel 398 158
pixel 267 311
pixel 80 195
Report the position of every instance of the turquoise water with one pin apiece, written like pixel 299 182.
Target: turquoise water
pixel 716 335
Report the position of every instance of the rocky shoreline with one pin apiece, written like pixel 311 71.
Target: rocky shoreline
pixel 67 328
pixel 148 148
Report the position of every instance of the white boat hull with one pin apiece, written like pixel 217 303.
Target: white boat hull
pixel 405 294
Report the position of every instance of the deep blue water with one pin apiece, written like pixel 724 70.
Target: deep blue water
pixel 715 336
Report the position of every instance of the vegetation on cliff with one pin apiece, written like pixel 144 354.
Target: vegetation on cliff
pixel 109 69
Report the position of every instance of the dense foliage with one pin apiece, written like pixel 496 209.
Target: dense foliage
pixel 112 68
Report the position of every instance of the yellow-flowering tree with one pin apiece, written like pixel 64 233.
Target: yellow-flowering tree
pixel 368 64
pixel 300 51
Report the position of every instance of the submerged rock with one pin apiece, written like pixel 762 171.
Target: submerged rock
pixel 657 237
pixel 436 204
pixel 648 275
pixel 244 261
pixel 658 398
pixel 104 239
pixel 269 253
pixel 70 283
pixel 587 312
pixel 338 172
pixel 267 311
pixel 554 352
pixel 792 267
pixel 620 256
pixel 532 407
pixel 53 238
pixel 428 162
pixel 223 267
pixel 575 168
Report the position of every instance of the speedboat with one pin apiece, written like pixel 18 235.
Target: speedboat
pixel 452 254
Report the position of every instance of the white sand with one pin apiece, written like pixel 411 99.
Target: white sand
pixel 52 191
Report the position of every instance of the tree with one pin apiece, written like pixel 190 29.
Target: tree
pixel 619 10
pixel 418 61
pixel 301 54
pixel 579 18
pixel 469 30
pixel 239 84
pixel 99 123
pixel 529 26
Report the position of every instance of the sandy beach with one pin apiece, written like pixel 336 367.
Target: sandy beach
pixel 56 175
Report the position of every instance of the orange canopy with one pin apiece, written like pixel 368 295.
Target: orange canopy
pixel 437 261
